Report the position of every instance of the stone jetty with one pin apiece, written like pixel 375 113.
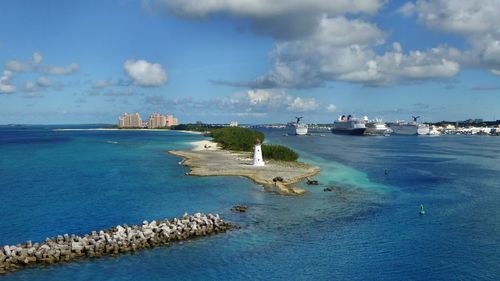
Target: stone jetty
pixel 110 242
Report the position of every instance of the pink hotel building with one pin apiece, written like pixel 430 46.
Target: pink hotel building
pixel 155 121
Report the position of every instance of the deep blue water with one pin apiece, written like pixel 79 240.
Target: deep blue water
pixel 56 182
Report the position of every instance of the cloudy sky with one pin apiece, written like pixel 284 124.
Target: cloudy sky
pixel 254 61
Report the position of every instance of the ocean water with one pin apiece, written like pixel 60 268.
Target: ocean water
pixel 368 228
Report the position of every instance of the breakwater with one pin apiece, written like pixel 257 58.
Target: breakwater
pixel 113 241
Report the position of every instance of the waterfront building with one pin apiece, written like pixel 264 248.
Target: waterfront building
pixel 171 121
pixel 233 124
pixel 130 121
pixel 450 127
pixel 157 120
pixel 154 121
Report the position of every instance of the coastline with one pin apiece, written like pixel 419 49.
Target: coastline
pixel 116 129
pixel 210 160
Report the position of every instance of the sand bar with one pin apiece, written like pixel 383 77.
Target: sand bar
pixel 213 161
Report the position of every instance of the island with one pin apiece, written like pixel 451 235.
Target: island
pixel 212 158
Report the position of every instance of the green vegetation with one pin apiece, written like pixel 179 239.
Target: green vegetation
pixel 194 127
pixel 242 139
pixel 279 152
pixel 235 138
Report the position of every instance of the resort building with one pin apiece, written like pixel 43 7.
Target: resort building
pixel 130 121
pixel 172 121
pixel 157 120
pixel 154 121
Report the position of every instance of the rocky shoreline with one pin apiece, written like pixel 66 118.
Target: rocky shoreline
pixel 210 161
pixel 110 242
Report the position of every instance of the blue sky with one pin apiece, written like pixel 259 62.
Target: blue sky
pixel 251 61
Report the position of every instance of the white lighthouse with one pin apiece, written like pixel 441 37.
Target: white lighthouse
pixel 257 154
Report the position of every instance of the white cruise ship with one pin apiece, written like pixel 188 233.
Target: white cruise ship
pixel 296 128
pixel 348 125
pixel 410 128
pixel 376 127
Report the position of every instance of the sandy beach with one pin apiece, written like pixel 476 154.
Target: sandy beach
pixel 205 145
pixel 207 159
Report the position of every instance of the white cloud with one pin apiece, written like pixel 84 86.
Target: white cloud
pixel 104 84
pixel 476 21
pixel 432 63
pixel 28 66
pixel 256 103
pixel 37 57
pixel 323 57
pixel 61 70
pixel 43 82
pixel 319 41
pixel 463 17
pixel 338 47
pixel 299 104
pixel 331 108
pixel 283 19
pixel 144 73
pixel 341 32
pixel 268 8
pixel 444 68
pixel 18 66
pixel 5 83
pixel 491 53
pixel 29 86
pixel 408 9
pixel 34 65
pixel 119 93
pixel 496 72
pixel 268 101
pixel 258 97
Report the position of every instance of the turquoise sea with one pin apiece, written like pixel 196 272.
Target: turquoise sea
pixel 368 228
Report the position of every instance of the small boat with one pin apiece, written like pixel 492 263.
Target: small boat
pixel 422 211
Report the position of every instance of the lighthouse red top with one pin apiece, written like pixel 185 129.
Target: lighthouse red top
pixel 257 141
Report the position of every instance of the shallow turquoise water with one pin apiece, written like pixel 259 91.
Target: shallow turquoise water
pixel 54 182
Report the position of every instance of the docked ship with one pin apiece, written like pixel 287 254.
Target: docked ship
pixel 296 128
pixel 348 125
pixel 410 128
pixel 376 128
pixel 434 132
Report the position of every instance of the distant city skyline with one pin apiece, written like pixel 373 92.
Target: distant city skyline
pixel 253 62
